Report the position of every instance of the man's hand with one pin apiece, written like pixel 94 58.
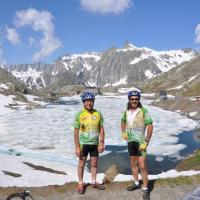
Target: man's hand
pixel 125 136
pixel 78 151
pixel 101 148
pixel 143 146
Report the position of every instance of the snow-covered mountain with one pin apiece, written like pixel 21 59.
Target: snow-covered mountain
pixel 9 85
pixel 113 67
pixel 183 80
pixel 30 74
pixel 2 66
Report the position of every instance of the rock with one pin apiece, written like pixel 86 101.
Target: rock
pixel 32 105
pixel 197 134
pixel 110 173
pixel 12 104
pixel 20 97
pixel 71 90
pixel 193 195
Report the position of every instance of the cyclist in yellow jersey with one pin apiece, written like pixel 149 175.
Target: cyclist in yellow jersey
pixel 135 121
pixel 89 139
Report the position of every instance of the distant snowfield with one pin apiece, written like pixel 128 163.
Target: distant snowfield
pixel 4 101
pixel 45 137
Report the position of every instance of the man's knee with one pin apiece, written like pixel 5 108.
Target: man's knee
pixel 94 163
pixel 81 163
pixel 134 163
pixel 143 167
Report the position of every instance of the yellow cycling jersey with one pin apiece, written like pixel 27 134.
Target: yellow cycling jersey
pixel 89 125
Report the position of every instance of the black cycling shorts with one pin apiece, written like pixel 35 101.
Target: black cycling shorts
pixel 91 149
pixel 133 149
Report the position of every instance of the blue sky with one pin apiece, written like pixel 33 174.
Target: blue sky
pixel 42 30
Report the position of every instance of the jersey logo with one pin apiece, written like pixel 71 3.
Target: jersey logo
pixel 94 117
pixel 83 128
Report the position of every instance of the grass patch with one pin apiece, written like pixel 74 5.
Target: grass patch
pixel 172 182
pixel 194 90
pixel 42 168
pixel 190 162
pixel 182 180
pixel 64 188
pixel 12 174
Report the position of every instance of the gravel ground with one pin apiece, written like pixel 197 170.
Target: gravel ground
pixel 113 191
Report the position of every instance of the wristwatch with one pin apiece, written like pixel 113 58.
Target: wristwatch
pixel 147 140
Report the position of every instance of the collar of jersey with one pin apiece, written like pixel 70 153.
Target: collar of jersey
pixel 85 110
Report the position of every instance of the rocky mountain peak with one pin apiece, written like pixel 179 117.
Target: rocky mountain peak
pixel 129 45
pixel 112 67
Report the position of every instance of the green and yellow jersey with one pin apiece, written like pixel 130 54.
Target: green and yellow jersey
pixel 89 125
pixel 136 122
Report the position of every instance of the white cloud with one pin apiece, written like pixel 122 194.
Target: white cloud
pixel 31 40
pixel 197 34
pixel 12 35
pixel 106 6
pixel 40 21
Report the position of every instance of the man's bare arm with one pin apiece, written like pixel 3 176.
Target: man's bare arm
pixel 102 138
pixel 149 132
pixel 76 140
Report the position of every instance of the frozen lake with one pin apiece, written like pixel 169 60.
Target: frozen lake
pixel 47 133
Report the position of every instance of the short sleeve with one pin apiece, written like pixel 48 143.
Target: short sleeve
pixel 123 118
pixel 77 121
pixel 101 119
pixel 147 117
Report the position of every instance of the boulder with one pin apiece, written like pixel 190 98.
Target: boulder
pixel 111 173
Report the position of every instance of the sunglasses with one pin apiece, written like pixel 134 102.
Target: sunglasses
pixel 134 99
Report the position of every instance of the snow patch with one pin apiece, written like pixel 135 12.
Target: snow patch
pixel 122 81
pixel 177 87
pixel 4 101
pixel 169 174
pixel 130 47
pixel 192 78
pixel 181 86
pixel 66 65
pixel 38 178
pixel 192 114
pixel 126 90
pixel 149 74
pixel 54 73
pixel 139 59
pixel 87 66
pixel 91 84
pixel 3 87
pixel 148 94
pixel 170 96
pixel 93 55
